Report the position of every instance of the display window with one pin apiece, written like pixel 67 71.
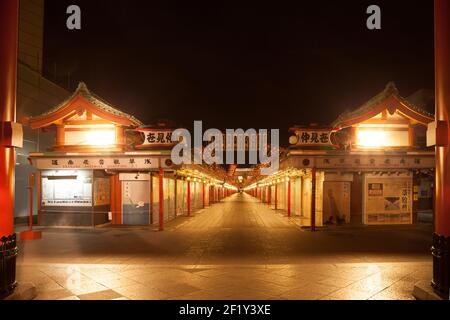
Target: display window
pixel 67 188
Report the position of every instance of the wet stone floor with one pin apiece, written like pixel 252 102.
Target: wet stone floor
pixel 236 249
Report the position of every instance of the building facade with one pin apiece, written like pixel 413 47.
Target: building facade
pixel 106 167
pixel 371 166
pixel 35 94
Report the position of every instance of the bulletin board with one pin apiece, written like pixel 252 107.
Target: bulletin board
pixel 388 199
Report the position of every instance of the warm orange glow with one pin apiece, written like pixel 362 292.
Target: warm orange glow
pixel 368 138
pixel 378 138
pixel 101 137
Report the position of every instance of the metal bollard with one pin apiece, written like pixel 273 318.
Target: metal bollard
pixel 8 255
pixel 441 265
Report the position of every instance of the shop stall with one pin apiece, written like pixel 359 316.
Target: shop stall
pixel 106 167
pixel 371 166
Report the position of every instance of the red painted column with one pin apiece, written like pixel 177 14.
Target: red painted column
pixel 209 195
pixel 203 195
pixel 189 198
pixel 276 196
pixel 9 13
pixel 30 200
pixel 38 195
pixel 442 16
pixel 441 237
pixel 269 195
pixel 289 198
pixel 161 199
pixel 313 199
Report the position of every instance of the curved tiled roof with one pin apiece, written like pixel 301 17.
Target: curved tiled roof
pixel 390 90
pixel 98 102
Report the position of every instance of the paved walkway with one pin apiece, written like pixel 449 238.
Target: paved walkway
pixel 238 249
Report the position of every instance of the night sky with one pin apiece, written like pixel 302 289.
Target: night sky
pixel 254 65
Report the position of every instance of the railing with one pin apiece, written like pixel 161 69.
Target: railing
pixel 8 254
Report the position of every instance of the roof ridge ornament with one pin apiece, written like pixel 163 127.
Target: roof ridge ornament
pixel 391 88
pixel 82 86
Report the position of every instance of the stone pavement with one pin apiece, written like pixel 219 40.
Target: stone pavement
pixel 238 249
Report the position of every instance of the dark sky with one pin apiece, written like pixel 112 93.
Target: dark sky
pixel 240 64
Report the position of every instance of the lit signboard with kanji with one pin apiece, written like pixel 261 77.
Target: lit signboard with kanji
pixel 311 137
pixel 155 137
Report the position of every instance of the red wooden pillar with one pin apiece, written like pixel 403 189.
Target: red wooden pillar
pixel 441 237
pixel 313 199
pixel 269 195
pixel 276 196
pixel 161 199
pixel 115 199
pixel 189 198
pixel 38 195
pixel 31 234
pixel 152 210
pixel 289 198
pixel 8 73
pixel 203 195
pixel 209 195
